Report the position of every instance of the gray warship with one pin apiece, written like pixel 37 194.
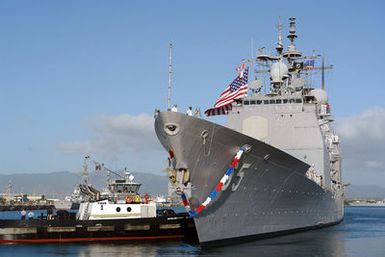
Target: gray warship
pixel 288 178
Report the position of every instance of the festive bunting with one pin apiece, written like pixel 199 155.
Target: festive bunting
pixel 218 187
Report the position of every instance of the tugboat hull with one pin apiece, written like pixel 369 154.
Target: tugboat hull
pixel 142 229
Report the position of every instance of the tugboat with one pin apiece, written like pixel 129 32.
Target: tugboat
pixel 116 214
pixel 275 167
pixel 120 200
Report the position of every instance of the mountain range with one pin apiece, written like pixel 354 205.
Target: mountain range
pixel 60 184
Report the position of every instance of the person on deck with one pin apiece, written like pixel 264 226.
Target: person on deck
pixel 189 111
pixel 30 215
pixel 23 214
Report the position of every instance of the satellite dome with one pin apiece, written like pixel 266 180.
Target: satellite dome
pixel 277 71
pixel 320 95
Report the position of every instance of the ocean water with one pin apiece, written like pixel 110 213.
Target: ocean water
pixel 361 234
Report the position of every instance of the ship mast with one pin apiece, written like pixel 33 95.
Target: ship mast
pixel 323 74
pixel 169 79
pixel 292 52
pixel 292 36
pixel 279 47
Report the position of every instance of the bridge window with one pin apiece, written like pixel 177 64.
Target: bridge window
pixel 285 101
pixel 246 102
pixel 252 102
pixel 292 101
pixel 279 101
pixel 265 101
pixel 272 101
pixel 259 101
pixel 298 101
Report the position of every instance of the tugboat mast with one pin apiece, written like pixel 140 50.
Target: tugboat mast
pixel 85 173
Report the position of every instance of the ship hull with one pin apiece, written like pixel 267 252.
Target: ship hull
pixel 268 193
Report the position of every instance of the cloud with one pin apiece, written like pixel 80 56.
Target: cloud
pixel 133 139
pixel 363 144
pixel 113 136
pixel 374 164
pixel 363 136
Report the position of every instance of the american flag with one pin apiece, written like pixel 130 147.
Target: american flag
pixel 236 90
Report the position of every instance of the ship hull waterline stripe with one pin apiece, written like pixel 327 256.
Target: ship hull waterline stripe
pixel 249 238
pixel 90 239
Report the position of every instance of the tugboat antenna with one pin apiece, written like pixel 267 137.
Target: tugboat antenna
pixel 169 79
pixel 85 170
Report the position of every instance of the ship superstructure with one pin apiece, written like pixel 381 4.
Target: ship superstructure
pixel 275 167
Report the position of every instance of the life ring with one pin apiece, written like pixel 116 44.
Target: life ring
pixel 129 199
pixel 137 199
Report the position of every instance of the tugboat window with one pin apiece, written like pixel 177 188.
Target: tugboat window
pixel 298 101
pixel 272 101
pixel 128 209
pixel 117 209
pixel 279 101
pixel 292 100
pixel 285 101
pixel 246 102
pixel 252 102
pixel 266 101
pixel 259 101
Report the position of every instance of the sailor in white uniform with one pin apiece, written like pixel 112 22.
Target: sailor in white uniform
pixel 30 215
pixel 23 214
pixel 174 108
pixel 189 111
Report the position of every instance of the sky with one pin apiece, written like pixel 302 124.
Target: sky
pixel 84 77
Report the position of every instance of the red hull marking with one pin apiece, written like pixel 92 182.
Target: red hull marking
pixel 219 186
pixel 89 239
pixel 234 163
